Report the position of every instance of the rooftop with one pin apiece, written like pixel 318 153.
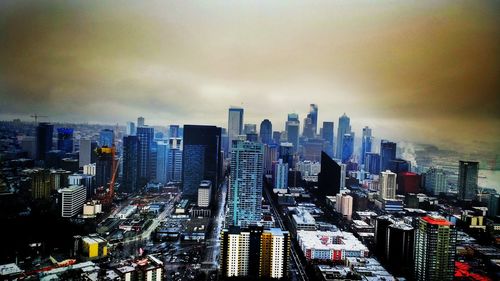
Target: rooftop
pixel 437 220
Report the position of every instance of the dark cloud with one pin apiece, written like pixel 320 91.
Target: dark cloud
pixel 420 71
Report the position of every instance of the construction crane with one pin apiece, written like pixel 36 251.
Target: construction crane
pixel 36 116
pixel 107 197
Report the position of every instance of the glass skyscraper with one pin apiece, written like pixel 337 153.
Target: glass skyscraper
pixel 200 158
pixel 235 124
pixel 329 179
pixel 106 138
pixel 130 178
pixel 343 128
pixel 65 139
pixel 145 135
pixel 44 134
pixel 366 143
pixel 387 153
pixel 245 183
pixel 467 179
pixel 266 131
pixel 313 114
pixel 292 131
pixel 348 147
pixel 327 132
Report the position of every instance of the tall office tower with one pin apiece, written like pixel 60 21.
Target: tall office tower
pixel 286 153
pixel 387 153
pixel 348 147
pixel 104 166
pixel 271 152
pixel 174 131
pixel 382 224
pixel 131 131
pixel 435 181
pixel 372 163
pixel 399 166
pixel 408 182
pixel 400 247
pixel 85 152
pixel 343 173
pixel 85 180
pixel 313 115
pixel 140 121
pixel 343 128
pixel 130 166
pixel 200 158
pixel 145 135
pixel 276 137
pixel 292 132
pixel 40 183
pixel 387 185
pixel 65 139
pixel 329 177
pixel 293 117
pixel 204 194
pixel 73 198
pixel 344 205
pixel 255 252
pixel 280 175
pixel 161 161
pixel 366 143
pixel 435 248
pixel 245 194
pixel 235 124
pixel 467 179
pixel 174 160
pixel 308 131
pixel 266 131
pixel 327 132
pixel 106 137
pixel 249 129
pixel 44 134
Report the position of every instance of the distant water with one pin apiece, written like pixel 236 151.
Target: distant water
pixel 491 180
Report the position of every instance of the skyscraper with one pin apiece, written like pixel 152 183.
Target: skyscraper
pixel 145 135
pixel 366 143
pixel 435 181
pixel 313 115
pixel 467 179
pixel 266 131
pixel 130 129
pixel 329 177
pixel 372 163
pixel 435 248
pixel 387 185
pixel 104 166
pixel 343 128
pixel 293 117
pixel 348 147
pixel 73 198
pixel 235 124
pixel 130 178
pixel 255 252
pixel 387 153
pixel 174 131
pixel 308 131
pixel 106 137
pixel 40 183
pixel 200 158
pixel 85 152
pixel 328 137
pixel 161 161
pixel 65 139
pixel 44 134
pixel 280 175
pixel 140 121
pixel 245 183
pixel 174 160
pixel 292 132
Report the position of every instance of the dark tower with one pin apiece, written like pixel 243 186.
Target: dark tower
pixel 329 177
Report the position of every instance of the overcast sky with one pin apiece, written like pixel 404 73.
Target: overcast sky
pixel 413 70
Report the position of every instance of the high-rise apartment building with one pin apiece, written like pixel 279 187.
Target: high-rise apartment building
pixel 235 124
pixel 435 181
pixel 204 194
pixel 255 252
pixel 104 166
pixel 387 185
pixel 280 174
pixel 344 205
pixel 174 160
pixel 245 183
pixel 73 198
pixel 435 248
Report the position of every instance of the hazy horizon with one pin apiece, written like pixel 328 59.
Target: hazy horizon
pixel 425 72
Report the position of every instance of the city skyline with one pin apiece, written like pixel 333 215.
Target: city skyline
pixel 179 63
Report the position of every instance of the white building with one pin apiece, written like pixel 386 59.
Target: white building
pixel 89 169
pixel 387 185
pixel 204 194
pixel 344 205
pixel 73 199
pixel 330 245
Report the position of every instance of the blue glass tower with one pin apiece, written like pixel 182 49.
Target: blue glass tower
pixel 344 128
pixel 372 163
pixel 106 138
pixel 387 153
pixel 366 143
pixel 328 137
pixel 266 131
pixel 65 139
pixel 145 135
pixel 348 147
